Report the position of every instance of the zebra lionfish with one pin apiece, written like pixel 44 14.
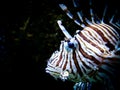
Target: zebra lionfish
pixel 92 55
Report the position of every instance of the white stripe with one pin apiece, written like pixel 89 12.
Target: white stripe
pixel 55 61
pixel 89 46
pixel 110 30
pixel 89 51
pixel 68 62
pixel 94 37
pixel 82 67
pixel 103 31
pixel 63 58
pixel 87 61
pixel 74 68
pixel 53 58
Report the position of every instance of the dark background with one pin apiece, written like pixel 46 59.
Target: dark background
pixel 29 35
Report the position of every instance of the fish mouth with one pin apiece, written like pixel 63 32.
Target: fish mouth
pixel 57 74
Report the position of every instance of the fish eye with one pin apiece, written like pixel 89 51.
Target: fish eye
pixel 71 45
pixel 68 45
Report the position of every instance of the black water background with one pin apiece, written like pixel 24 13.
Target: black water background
pixel 24 51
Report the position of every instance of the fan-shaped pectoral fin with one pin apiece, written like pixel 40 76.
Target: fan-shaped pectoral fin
pixel 82 86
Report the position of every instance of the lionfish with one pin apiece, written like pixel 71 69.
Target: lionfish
pixel 92 55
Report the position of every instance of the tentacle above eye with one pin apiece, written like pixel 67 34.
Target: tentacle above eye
pixel 65 32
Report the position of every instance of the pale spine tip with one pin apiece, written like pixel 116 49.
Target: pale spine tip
pixel 62 6
pixel 63 29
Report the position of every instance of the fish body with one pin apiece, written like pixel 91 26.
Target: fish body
pixel 89 56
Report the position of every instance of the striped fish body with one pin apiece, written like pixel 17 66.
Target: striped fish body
pixel 91 55
pixel 94 45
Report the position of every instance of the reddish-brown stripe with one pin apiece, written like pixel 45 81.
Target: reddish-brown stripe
pixel 71 67
pixel 60 56
pixel 108 44
pixel 64 67
pixel 84 37
pixel 100 33
pixel 86 55
pixel 93 36
pixel 109 31
pixel 76 63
